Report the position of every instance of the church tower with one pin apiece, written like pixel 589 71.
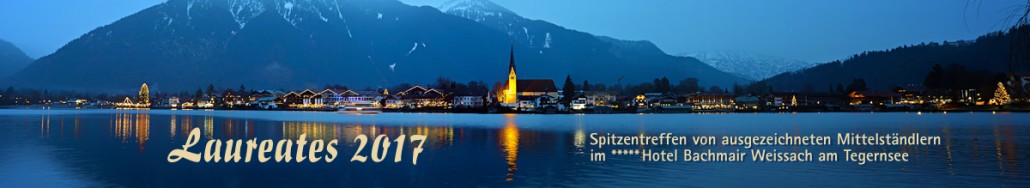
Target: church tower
pixel 510 93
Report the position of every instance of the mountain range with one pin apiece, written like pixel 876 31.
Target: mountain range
pixel 181 45
pixel 12 59
pixel 910 64
pixel 750 65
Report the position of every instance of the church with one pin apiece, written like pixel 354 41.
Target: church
pixel 526 94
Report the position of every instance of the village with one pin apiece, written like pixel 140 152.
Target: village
pixel 517 95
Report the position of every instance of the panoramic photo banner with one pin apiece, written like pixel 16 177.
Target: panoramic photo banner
pixel 514 93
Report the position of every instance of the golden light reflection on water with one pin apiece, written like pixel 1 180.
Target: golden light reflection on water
pixel 171 128
pixel 44 126
pixel 579 137
pixel 186 125
pixel 209 127
pixel 947 148
pixel 312 130
pixel 509 139
pixel 435 136
pixel 134 127
pixel 77 130
pixel 1005 147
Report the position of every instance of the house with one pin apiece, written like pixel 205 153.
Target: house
pixel 173 102
pixel 255 95
pixel 419 97
pixel 872 97
pixel 331 98
pixel 747 102
pixel 267 102
pixel 600 98
pixel 351 97
pixel 711 101
pixel 306 99
pixel 542 104
pixel 579 102
pixel 232 100
pixel 468 102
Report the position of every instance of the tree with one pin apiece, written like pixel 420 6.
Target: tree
pixel 443 83
pixel 211 90
pixel 665 87
pixel 935 79
pixel 586 86
pixel 7 96
pixel 738 89
pixel 1001 96
pixel 689 85
pixel 199 94
pixel 715 89
pixel 857 85
pixel 840 89
pixel 808 88
pixel 568 90
pixel 242 89
pixel 657 83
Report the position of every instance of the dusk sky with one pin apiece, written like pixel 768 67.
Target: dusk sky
pixel 810 30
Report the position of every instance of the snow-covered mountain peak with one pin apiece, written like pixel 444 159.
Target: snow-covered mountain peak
pixel 472 5
pixel 751 65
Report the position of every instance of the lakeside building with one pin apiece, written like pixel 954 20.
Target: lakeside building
pixel 370 97
pixel 306 99
pixel 418 97
pixel 526 94
pixel 711 101
pixel 468 102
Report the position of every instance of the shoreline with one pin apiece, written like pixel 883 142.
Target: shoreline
pixel 487 111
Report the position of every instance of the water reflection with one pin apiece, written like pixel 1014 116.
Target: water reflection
pixel 171 128
pixel 313 130
pixel 132 126
pixel 114 147
pixel 1005 145
pixel 209 127
pixel 510 142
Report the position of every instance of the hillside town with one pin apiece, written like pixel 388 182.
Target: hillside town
pixel 520 95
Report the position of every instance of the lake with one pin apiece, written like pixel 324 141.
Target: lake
pixel 127 148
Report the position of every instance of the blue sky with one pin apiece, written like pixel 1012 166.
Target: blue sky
pixel 810 30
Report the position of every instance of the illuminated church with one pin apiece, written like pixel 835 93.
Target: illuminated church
pixel 520 93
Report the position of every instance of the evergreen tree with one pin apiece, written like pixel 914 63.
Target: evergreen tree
pixel 242 89
pixel 666 87
pixel 808 88
pixel 857 85
pixel 935 79
pixel 1001 96
pixel 199 94
pixel 568 90
pixel 715 89
pixel 586 86
pixel 738 90
pixel 211 90
pixel 689 85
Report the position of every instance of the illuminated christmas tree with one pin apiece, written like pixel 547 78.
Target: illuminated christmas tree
pixel 1001 97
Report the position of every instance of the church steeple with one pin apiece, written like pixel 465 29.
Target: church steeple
pixel 511 61
pixel 511 93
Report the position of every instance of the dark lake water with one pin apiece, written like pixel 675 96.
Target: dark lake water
pixel 119 148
